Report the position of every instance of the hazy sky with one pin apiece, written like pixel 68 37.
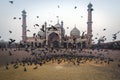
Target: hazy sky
pixel 106 14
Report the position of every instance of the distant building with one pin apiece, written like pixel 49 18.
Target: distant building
pixel 54 36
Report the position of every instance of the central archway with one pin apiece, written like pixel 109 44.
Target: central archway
pixel 53 40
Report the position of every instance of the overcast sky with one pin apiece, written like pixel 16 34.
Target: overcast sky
pixel 106 14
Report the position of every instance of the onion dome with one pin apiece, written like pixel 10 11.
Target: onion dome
pixel 57 25
pixel 42 34
pixel 75 32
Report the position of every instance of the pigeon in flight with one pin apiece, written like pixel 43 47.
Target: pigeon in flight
pixel 75 7
pixel 54 27
pixel 43 28
pixel 114 37
pixel 19 18
pixel 39 36
pixel 37 16
pixel 95 37
pixel 14 17
pixel 58 6
pixel 10 31
pixel 104 29
pixel 28 30
pixel 37 25
pixel 11 41
pixel 118 32
pixel 34 25
pixel 34 34
pixel 51 21
pixel 11 2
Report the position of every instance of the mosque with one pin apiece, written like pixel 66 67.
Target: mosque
pixel 54 36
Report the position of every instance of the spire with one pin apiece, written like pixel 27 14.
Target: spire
pixel 24 12
pixel 45 23
pixel 75 25
pixel 90 5
pixel 57 19
pixel 62 24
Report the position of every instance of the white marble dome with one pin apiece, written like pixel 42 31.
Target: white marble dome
pixel 41 33
pixel 75 32
pixel 57 25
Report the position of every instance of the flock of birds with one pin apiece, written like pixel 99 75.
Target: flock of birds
pixel 44 57
pixel 52 55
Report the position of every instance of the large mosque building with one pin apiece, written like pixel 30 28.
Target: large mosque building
pixel 54 36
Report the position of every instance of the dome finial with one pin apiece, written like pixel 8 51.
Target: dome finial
pixel 90 5
pixel 24 12
pixel 57 19
pixel 75 25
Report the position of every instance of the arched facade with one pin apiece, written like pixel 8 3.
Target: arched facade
pixel 53 40
pixel 54 35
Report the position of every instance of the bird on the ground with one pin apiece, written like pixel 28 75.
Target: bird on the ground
pixel 35 67
pixel 25 69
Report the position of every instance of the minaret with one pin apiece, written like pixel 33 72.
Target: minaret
pixel 57 19
pixel 89 24
pixel 46 35
pixel 24 35
pixel 62 32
